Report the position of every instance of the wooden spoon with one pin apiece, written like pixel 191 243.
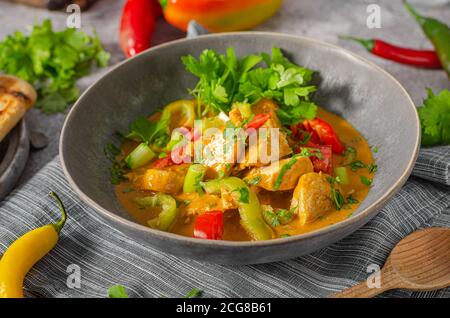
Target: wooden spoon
pixel 421 261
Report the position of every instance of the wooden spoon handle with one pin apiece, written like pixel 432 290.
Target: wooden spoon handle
pixel 359 291
pixel 388 280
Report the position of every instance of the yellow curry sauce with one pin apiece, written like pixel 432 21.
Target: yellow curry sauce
pixel 233 231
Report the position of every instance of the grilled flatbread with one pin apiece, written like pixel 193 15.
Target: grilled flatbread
pixel 16 97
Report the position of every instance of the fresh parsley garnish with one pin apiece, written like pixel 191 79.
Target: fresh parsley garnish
pixel 151 132
pixel 225 79
pixel 244 194
pixel 435 118
pixel 118 167
pixel 52 61
pixel 358 164
pixel 195 292
pixel 254 180
pixel 305 152
pixel 366 181
pixel 372 168
pixel 352 200
pixel 337 198
pixel 117 291
pixel 334 180
pixel 375 149
pixel 277 217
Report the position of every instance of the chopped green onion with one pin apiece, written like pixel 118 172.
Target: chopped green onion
pixel 341 173
pixel 140 156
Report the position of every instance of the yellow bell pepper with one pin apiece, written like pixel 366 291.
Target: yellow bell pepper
pixel 26 251
pixel 219 15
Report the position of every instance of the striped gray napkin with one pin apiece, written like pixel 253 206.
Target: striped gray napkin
pixel 105 257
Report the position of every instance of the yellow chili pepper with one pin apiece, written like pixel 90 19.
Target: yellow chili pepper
pixel 219 15
pixel 26 251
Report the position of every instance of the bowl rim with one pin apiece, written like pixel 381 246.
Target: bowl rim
pixel 365 214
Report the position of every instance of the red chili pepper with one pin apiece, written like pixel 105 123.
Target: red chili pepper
pixel 258 120
pixel 325 133
pixel 137 25
pixel 209 225
pixel 418 58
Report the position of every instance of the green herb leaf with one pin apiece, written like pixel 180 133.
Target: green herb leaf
pixel 366 181
pixel 352 200
pixel 435 118
pixel 193 293
pixel 337 198
pixel 244 195
pixel 151 132
pixel 118 168
pixel 355 165
pixel 305 152
pixel 52 61
pixel 117 291
pixel 277 217
pixel 254 180
pixel 224 79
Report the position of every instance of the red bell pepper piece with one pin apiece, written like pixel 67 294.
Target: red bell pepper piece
pixel 137 25
pixel 322 163
pixel 209 225
pixel 257 121
pixel 325 133
pixel 301 133
pixel 162 162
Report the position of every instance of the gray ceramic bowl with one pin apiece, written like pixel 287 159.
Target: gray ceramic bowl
pixel 372 100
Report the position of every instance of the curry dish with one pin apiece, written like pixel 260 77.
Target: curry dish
pixel 322 170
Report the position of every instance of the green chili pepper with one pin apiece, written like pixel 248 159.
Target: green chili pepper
pixel 249 209
pixel 438 33
pixel 169 210
pixel 194 176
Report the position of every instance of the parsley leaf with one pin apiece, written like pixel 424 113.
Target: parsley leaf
pixel 52 61
pixel 351 200
pixel 224 79
pixel 337 198
pixel 277 217
pixel 150 132
pixel 244 194
pixel 366 181
pixel 435 118
pixel 117 291
pixel 118 167
pixel 254 180
pixel 195 292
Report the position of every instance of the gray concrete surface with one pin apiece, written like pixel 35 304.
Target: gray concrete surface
pixel 320 19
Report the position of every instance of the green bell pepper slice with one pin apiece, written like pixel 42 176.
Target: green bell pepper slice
pixel 168 206
pixel 249 208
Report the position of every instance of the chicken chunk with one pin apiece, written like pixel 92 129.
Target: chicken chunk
pixel 216 157
pixel 311 198
pixel 267 106
pixel 161 180
pixel 264 146
pixel 265 177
